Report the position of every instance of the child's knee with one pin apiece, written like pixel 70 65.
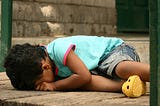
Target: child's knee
pixel 123 69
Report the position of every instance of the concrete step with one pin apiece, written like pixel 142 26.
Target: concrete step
pixel 11 97
pixel 47 17
pixel 140 42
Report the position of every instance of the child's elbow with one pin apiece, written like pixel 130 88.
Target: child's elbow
pixel 87 79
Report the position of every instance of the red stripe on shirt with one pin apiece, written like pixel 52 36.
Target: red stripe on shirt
pixel 67 52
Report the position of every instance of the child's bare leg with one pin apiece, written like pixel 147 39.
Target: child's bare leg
pixel 127 68
pixel 99 83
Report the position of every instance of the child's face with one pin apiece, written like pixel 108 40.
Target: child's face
pixel 47 75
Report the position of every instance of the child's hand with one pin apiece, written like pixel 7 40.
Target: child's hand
pixel 45 86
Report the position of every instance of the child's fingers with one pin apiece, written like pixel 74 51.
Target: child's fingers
pixel 37 87
pixel 40 87
pixel 44 86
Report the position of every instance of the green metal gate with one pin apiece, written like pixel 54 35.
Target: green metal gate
pixel 132 15
pixel 154 29
pixel 6 29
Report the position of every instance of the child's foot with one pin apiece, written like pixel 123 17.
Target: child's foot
pixel 134 87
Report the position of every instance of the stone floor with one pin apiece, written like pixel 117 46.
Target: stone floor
pixel 11 97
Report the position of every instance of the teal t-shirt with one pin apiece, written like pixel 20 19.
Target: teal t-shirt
pixel 90 49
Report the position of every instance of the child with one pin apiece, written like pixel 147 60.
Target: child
pixel 78 62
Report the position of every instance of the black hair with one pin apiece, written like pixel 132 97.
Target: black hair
pixel 23 65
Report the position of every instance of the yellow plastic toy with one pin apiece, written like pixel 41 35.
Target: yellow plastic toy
pixel 134 87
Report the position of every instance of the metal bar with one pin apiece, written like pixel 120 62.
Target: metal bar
pixel 6 29
pixel 154 29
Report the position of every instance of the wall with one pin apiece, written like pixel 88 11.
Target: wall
pixel 63 17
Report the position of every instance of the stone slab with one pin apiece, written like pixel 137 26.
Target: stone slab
pixel 82 99
pixel 50 29
pixel 98 3
pixel 11 97
pixel 62 13
pixel 50 17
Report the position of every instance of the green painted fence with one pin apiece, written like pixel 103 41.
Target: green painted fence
pixel 154 29
pixel 6 29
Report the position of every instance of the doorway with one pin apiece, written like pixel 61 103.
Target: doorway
pixel 132 15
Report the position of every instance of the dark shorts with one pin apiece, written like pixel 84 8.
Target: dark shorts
pixel 106 66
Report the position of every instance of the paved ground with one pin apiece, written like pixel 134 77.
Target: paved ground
pixel 11 97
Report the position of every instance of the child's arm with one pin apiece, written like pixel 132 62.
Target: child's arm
pixel 80 76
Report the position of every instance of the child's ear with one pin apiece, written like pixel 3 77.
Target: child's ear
pixel 45 66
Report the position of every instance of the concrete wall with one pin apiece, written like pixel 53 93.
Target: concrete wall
pixel 63 17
